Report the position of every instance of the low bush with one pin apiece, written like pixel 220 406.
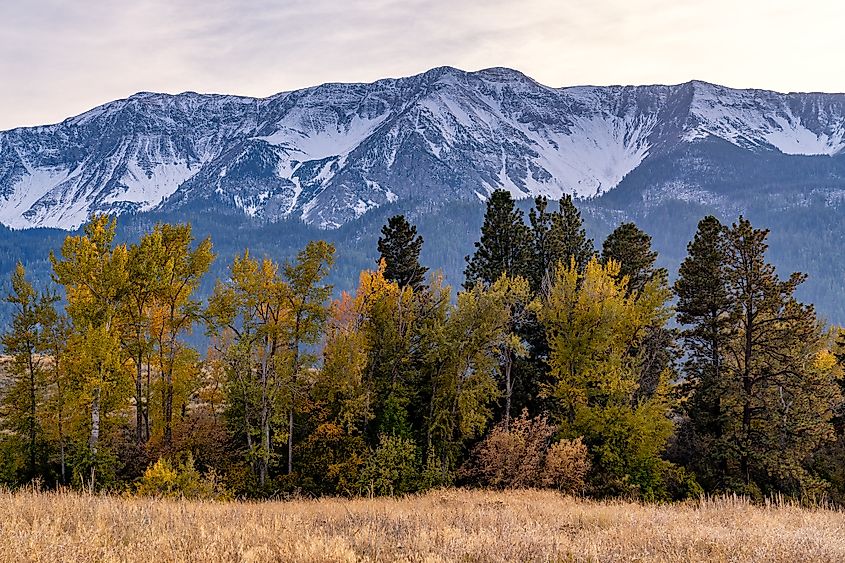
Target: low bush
pixel 164 479
pixel 521 454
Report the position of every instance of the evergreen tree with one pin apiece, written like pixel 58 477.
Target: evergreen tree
pixel 505 246
pixel 557 236
pixel 631 248
pixel 400 247
pixel 704 308
pixel 761 377
pixel 777 376
pixel 543 259
pixel 24 400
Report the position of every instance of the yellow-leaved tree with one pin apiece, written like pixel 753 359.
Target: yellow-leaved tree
pixel 268 321
pixel 595 328
pixel 94 273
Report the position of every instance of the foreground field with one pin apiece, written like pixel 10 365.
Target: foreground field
pixel 440 526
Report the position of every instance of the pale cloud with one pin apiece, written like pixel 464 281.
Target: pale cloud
pixel 59 58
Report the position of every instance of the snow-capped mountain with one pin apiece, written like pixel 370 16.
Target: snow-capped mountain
pixel 331 153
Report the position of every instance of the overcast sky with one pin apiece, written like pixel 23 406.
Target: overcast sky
pixel 61 57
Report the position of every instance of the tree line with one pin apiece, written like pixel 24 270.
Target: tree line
pixel 555 365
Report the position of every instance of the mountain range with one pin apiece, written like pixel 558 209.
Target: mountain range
pixel 338 157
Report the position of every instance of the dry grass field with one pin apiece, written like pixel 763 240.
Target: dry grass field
pixel 441 526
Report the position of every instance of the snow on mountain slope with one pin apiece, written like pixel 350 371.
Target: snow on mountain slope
pixel 330 153
pixel 756 118
pixel 127 155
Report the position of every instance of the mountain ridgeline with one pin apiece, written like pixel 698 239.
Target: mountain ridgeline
pixel 334 161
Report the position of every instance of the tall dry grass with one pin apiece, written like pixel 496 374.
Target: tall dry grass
pixel 452 525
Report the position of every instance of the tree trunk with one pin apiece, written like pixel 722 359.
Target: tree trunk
pixel 744 462
pixel 264 463
pixel 168 410
pixel 716 405
pixel 290 442
pixel 60 397
pixel 94 440
pixel 295 373
pixel 168 399
pixel 32 406
pixel 139 408
pixel 508 390
pixel 62 455
pixel 147 402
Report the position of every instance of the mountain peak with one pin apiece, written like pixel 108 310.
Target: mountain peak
pixel 502 74
pixel 331 153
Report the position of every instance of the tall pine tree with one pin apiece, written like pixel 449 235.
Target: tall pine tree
pixel 631 247
pixel 400 247
pixel 505 245
pixel 704 309
pixel 780 388
pixel 762 379
pixel 557 236
pixel 24 400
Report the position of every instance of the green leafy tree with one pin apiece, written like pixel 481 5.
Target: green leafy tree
pixel 268 323
pixel 307 310
pixel 56 332
pixel 462 363
pixel 594 327
pixel 392 320
pixel 514 295
pixel 145 280
pixel 247 313
pixel 400 247
pixel 24 401
pixel 180 269
pixel 631 248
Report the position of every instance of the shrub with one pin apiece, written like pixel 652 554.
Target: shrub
pixel 391 469
pixel 566 467
pixel 510 458
pixel 679 483
pixel 331 460
pixel 163 479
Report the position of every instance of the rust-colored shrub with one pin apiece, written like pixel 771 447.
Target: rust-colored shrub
pixel 511 458
pixel 566 466
pixel 522 455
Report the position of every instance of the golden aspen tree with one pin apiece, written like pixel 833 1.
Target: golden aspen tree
pixel 94 273
pixel 180 269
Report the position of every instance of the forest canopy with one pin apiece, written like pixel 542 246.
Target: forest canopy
pixel 554 365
